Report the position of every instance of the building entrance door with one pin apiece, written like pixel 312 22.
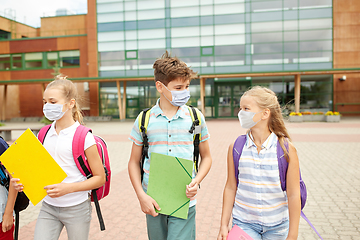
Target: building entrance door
pixel 227 98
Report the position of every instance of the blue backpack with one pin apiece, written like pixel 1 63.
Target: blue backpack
pixel 283 166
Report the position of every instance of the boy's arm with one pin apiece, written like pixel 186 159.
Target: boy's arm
pixel 293 193
pixel 147 203
pixel 204 167
pixel 8 219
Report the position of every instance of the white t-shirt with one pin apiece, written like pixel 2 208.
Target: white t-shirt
pixel 60 148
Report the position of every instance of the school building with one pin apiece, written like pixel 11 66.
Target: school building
pixel 307 51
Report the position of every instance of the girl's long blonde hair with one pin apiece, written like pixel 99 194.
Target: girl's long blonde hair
pixel 266 98
pixel 69 91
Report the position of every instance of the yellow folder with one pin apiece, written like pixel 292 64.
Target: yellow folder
pixel 28 160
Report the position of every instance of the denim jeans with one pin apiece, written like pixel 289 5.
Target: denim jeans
pixel 260 232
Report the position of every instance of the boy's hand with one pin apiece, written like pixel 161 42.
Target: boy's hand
pixel 17 185
pixel 148 205
pixel 57 190
pixel 191 189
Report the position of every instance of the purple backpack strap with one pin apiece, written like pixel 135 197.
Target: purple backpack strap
pixel 237 150
pixel 42 133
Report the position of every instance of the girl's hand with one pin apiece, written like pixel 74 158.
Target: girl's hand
pixel 7 222
pixel 57 190
pixel 224 231
pixel 148 205
pixel 17 185
pixel 191 189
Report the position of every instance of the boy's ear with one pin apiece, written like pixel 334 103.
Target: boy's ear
pixel 159 86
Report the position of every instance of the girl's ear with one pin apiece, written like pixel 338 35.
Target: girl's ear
pixel 72 103
pixel 266 113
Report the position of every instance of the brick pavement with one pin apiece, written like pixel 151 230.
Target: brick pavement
pixel 329 159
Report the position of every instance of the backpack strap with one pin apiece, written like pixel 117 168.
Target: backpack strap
pixel 43 132
pixel 78 152
pixel 4 178
pixel 237 150
pixel 196 126
pixel 144 117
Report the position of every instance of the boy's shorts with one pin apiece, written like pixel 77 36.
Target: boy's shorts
pixel 164 227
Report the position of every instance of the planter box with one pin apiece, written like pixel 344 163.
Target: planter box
pixel 333 118
pixel 307 118
pixel 318 118
pixel 295 118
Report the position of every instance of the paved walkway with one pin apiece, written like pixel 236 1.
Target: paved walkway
pixel 329 158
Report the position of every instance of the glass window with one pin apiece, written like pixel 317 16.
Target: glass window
pixel 230 18
pixel 316 35
pixel 150 24
pixel 268 48
pixel 130 35
pixel 315 3
pixel 291 25
pixel 206 10
pixel 185 12
pixel 267 26
pixel 130 6
pixel 229 60
pixel 184 52
pixel 229 8
pixel 109 7
pixel 33 60
pixel 266 37
pixel 111 46
pixel 130 16
pixel 5 62
pixel 185 22
pixel 206 20
pixel 111 63
pixel 113 55
pixel 291 4
pixel 131 45
pixel 266 6
pixel 185 32
pixel 185 42
pixel 229 29
pixel 315 57
pixel 207 41
pixel 52 59
pixel 69 58
pixel 315 23
pixel 229 50
pixel 154 4
pixel 151 33
pixel 151 14
pixel 207 51
pixel 151 44
pixel 267 16
pixel 110 36
pixel 131 54
pixel 230 39
pixel 291 46
pixel 291 36
pixel 319 13
pixel 107 27
pixel 183 3
pixel 267 59
pixel 315 46
pixel 110 17
pixel 228 1
pixel 206 30
pixel 17 61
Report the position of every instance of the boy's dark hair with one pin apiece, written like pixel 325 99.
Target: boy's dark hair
pixel 168 68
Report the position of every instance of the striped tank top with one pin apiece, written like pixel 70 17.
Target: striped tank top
pixel 259 198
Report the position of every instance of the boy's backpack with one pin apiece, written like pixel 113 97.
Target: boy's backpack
pixel 83 165
pixel 144 117
pixel 283 166
pixel 22 201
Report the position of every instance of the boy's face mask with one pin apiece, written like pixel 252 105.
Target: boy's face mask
pixel 53 112
pixel 179 98
pixel 246 119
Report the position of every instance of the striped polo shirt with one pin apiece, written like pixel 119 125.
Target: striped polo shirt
pixel 259 198
pixel 169 137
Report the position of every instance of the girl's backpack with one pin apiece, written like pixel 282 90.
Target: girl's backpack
pixel 22 201
pixel 283 166
pixel 83 165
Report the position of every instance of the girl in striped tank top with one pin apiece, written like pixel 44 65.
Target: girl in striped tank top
pixel 257 203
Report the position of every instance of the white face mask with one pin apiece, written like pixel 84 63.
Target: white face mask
pixel 179 98
pixel 246 119
pixel 53 111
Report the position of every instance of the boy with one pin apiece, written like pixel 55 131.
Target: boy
pixel 168 133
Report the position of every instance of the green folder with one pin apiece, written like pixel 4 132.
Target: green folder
pixel 167 184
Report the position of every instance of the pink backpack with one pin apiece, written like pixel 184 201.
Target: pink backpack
pixel 83 165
